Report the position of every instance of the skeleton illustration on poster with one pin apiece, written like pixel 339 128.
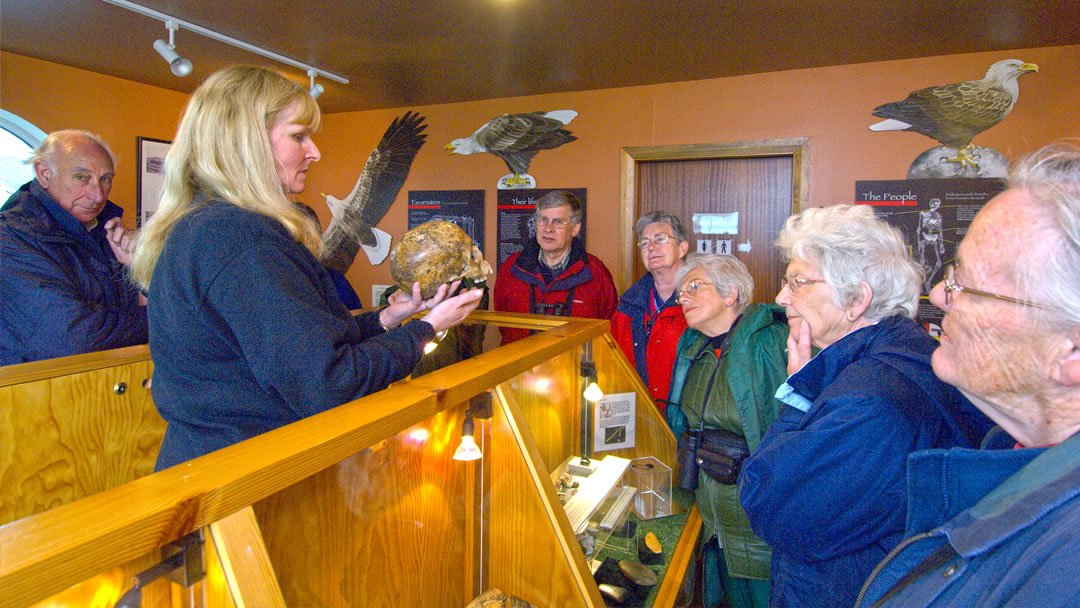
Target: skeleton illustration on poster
pixel 933 215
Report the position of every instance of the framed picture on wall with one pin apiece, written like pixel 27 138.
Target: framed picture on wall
pixel 151 176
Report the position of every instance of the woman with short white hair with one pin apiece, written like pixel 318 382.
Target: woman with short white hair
pixel 826 487
pixel 727 367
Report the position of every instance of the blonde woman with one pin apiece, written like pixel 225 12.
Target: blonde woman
pixel 246 330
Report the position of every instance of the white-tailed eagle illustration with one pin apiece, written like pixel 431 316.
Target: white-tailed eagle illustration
pixel 354 217
pixel 516 138
pixel 954 114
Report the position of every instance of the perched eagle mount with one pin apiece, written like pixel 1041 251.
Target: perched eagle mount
pixel 955 113
pixel 516 138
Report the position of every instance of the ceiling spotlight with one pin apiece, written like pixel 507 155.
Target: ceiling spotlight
pixel 315 91
pixel 167 50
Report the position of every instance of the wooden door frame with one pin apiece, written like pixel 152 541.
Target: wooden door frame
pixel 797 148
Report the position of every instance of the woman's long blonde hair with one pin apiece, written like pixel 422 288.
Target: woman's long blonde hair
pixel 222 151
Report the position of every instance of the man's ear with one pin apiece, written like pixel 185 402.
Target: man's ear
pixel 683 248
pixel 1066 368
pixel 43 173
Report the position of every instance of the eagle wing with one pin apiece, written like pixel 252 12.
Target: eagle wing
pixel 952 114
pixel 516 138
pixel 374 192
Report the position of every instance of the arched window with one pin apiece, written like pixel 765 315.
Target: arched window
pixel 18 139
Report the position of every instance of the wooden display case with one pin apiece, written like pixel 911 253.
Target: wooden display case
pixel 362 505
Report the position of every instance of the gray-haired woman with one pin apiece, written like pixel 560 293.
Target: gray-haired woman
pixel 727 367
pixel 826 487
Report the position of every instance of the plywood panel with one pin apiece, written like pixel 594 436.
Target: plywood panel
pixel 384 527
pixel 72 436
pixel 104 590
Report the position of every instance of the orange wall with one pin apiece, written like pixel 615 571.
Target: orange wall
pixel 54 96
pixel 832 106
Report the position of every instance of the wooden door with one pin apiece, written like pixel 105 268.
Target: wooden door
pixel 764 182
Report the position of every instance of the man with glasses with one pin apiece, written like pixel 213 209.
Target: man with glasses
pixel 649 319
pixel 1001 526
pixel 554 276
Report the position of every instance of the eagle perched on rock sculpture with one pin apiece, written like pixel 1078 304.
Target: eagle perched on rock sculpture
pixel 954 114
pixel 354 217
pixel 516 138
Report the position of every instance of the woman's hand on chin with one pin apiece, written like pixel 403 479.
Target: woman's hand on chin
pixel 798 345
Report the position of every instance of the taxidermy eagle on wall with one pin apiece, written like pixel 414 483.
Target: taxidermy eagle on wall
pixel 954 114
pixel 354 218
pixel 516 138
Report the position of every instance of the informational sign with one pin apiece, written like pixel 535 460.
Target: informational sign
pixel 515 219
pixel 716 223
pixel 462 207
pixel 614 422
pixel 934 215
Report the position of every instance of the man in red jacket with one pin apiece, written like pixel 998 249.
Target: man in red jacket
pixel 649 320
pixel 554 275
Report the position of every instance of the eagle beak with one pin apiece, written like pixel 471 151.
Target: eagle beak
pixel 449 147
pixel 1030 67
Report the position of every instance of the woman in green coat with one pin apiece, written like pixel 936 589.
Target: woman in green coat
pixel 728 366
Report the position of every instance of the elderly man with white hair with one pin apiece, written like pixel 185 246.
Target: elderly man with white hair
pixel 1001 527
pixel 826 486
pixel 64 255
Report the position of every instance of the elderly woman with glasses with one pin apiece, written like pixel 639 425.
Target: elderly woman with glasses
pixel 648 323
pixel 728 366
pixel 826 487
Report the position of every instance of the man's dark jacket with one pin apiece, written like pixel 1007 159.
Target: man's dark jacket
pixel 62 291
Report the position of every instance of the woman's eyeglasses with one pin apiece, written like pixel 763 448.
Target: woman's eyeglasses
pixel 690 290
pixel 794 285
pixel 659 239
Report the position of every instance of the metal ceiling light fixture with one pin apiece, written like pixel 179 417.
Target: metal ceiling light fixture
pixel 179 66
pixel 169 53
pixel 316 89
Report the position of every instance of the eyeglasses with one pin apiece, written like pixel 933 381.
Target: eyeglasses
pixel 690 290
pixel 951 285
pixel 557 223
pixel 794 285
pixel 659 239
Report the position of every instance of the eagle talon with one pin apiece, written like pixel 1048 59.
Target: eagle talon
pixel 966 156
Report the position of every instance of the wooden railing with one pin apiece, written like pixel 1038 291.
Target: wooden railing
pixel 45 553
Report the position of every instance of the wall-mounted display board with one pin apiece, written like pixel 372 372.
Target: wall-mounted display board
pixel 934 215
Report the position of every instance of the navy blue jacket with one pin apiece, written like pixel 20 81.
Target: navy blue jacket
pixel 62 292
pixel 826 487
pixel 1003 525
pixel 248 334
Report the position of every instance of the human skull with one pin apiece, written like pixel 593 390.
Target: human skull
pixel 434 253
